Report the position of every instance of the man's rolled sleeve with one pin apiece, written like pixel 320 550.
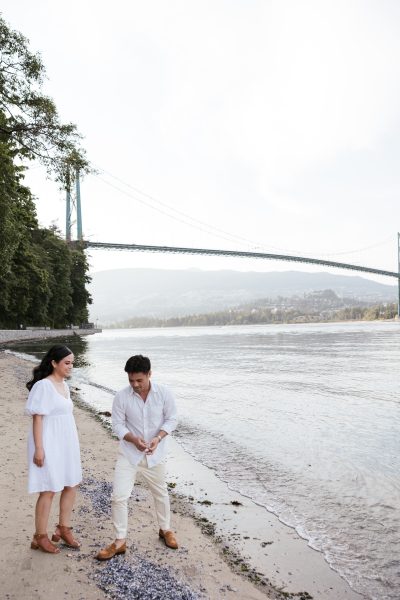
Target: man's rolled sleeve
pixel 170 413
pixel 119 418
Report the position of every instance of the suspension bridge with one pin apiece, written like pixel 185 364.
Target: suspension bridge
pixel 75 203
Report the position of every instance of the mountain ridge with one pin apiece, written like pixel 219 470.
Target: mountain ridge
pixel 123 293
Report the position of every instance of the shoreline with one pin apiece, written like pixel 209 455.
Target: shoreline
pixel 195 570
pixel 253 540
pixel 320 322
pixel 239 535
pixel 13 336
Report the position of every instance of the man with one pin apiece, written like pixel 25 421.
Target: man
pixel 143 414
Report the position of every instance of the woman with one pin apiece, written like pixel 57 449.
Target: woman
pixel 53 447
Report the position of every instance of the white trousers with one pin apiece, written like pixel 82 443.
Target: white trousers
pixel 124 480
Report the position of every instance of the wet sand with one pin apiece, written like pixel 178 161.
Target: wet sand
pixel 223 546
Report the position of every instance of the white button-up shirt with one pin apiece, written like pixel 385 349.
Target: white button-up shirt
pixel 145 419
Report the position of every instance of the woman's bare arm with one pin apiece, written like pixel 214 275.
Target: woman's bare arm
pixel 38 457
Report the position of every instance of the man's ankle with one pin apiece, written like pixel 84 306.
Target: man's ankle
pixel 120 542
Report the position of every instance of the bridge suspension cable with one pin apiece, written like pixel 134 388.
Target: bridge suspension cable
pixel 240 254
pixel 171 212
pixel 219 252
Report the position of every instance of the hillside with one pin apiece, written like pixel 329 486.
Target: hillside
pixel 123 293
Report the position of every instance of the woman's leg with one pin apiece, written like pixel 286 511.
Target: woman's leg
pixel 67 500
pixel 63 529
pixel 42 511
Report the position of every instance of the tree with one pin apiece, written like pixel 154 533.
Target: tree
pixel 28 286
pixel 30 119
pixel 58 259
pixel 17 221
pixel 78 312
pixel 42 279
pixel 9 197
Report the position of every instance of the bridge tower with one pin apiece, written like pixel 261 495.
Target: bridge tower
pixel 73 205
pixel 398 280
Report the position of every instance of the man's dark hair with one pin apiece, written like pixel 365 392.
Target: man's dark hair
pixel 138 364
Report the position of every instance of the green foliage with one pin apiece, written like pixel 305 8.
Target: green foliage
pixel 17 220
pixel 267 315
pixel 78 312
pixel 42 279
pixel 30 119
pixel 28 286
pixel 45 279
pixel 58 261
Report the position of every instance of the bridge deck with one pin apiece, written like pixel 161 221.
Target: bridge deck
pixel 240 254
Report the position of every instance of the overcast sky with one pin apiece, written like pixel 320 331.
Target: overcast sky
pixel 268 125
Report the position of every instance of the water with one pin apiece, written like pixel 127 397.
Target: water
pixel 308 417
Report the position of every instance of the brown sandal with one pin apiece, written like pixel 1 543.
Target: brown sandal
pixel 63 532
pixel 41 542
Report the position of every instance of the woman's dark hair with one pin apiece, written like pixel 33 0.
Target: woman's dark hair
pixel 45 368
pixel 138 364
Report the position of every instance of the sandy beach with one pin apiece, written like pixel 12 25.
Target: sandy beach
pixel 205 566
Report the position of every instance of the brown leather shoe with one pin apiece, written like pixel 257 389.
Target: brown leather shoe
pixel 63 532
pixel 169 538
pixel 41 542
pixel 110 551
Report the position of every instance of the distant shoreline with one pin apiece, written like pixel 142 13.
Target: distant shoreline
pixel 294 322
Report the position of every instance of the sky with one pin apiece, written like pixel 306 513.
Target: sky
pixel 268 125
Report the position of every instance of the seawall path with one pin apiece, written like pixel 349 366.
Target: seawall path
pixel 8 336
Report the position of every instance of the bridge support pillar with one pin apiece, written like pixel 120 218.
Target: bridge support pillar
pixel 68 216
pixel 78 206
pixel 398 280
pixel 73 206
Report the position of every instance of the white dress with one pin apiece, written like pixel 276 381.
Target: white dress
pixel 62 461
